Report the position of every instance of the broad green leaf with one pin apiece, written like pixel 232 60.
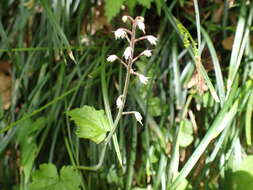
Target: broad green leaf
pixel 47 178
pixel 70 177
pixel 92 124
pixel 112 8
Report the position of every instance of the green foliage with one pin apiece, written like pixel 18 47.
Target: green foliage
pixel 186 135
pixel 112 8
pixel 36 38
pixel 47 178
pixel 242 177
pixel 92 124
pixel 27 138
pixel 145 3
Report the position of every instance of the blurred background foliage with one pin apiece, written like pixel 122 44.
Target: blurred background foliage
pixel 197 122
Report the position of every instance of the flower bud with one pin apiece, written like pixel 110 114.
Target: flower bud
pixel 152 39
pixel 128 53
pixel 147 53
pixel 120 33
pixel 111 58
pixel 143 79
pixel 138 117
pixel 141 25
pixel 124 18
pixel 119 102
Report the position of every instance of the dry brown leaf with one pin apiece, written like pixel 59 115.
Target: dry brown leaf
pixel 219 13
pixel 5 84
pixel 227 43
pixel 99 21
pixel 197 79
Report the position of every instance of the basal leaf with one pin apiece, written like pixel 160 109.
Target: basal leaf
pixel 47 178
pixel 186 133
pixel 92 124
pixel 70 177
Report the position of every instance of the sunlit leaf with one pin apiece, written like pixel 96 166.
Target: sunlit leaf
pixel 112 8
pixel 92 124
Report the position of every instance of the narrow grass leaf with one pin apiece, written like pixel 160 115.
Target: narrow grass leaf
pixel 222 121
pixel 248 119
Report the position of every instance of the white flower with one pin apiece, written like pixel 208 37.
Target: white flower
pixel 111 58
pixel 141 25
pixel 119 102
pixel 147 53
pixel 120 33
pixel 124 18
pixel 152 39
pixel 143 79
pixel 141 18
pixel 128 53
pixel 138 117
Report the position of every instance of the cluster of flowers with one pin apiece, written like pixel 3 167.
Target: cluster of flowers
pixel 123 33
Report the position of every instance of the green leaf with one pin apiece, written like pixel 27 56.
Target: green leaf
pixel 112 8
pixel 28 155
pixel 47 178
pixel 242 178
pixel 186 135
pixel 27 138
pixel 145 3
pixel 92 124
pixel 70 177
pixel 131 5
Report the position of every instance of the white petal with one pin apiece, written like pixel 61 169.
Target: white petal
pixel 152 39
pixel 128 53
pixel 143 79
pixel 111 58
pixel 119 102
pixel 124 18
pixel 138 117
pixel 141 25
pixel 120 33
pixel 147 53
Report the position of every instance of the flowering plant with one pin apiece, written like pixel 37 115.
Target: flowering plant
pixel 93 124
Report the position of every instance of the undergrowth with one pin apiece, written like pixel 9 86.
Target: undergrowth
pixel 196 107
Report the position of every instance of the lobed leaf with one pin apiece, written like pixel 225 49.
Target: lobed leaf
pixel 92 124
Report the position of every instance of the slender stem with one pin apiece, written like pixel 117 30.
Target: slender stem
pixel 122 62
pixel 128 112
